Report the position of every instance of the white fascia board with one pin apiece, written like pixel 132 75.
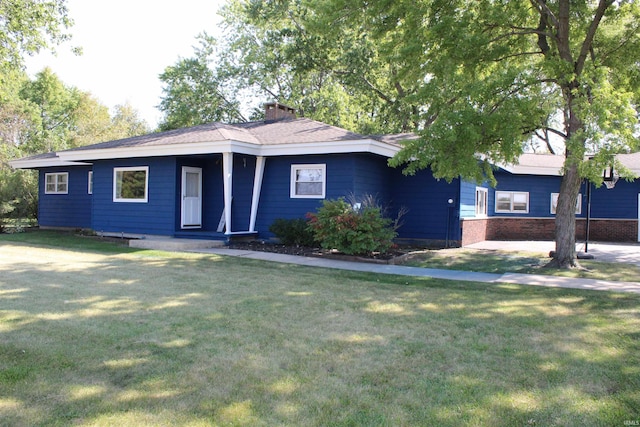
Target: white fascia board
pixel 330 147
pixel 162 150
pixel 229 146
pixel 531 170
pixel 44 163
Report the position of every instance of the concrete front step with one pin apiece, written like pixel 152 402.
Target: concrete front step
pixel 173 244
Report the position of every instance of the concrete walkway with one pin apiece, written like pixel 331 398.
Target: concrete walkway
pixel 607 252
pixel 520 279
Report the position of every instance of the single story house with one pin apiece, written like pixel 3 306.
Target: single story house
pixel 223 180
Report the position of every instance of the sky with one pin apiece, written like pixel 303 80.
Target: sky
pixel 126 45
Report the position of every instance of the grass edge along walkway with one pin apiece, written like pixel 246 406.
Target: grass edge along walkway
pixel 467 276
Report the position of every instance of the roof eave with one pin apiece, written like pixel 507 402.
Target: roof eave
pixel 161 150
pixel 531 170
pixel 44 163
pixel 331 147
pixel 230 146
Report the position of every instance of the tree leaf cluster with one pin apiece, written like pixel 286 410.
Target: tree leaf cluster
pixel 283 51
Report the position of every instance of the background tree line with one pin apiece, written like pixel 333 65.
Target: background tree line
pixel 42 114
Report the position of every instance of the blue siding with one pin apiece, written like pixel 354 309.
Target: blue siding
pixel 347 175
pixel 621 202
pixel 430 216
pixel 372 176
pixel 538 187
pixel 157 216
pixel 66 210
pixel 468 199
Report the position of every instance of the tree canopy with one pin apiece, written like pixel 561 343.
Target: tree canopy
pixel 28 26
pixel 273 51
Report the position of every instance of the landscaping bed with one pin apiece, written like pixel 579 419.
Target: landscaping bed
pixel 396 255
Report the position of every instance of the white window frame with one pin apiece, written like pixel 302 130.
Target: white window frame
pixel 56 183
pixel 483 193
pixel 295 168
pixel 554 203
pixel 131 169
pixel 90 183
pixel 512 195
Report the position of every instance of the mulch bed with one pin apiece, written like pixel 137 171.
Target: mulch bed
pixel 394 256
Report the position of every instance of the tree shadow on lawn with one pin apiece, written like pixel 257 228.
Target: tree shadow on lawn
pixel 204 339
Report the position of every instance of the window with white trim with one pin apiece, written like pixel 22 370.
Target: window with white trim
pixel 512 201
pixel 130 184
pixel 90 183
pixel 56 183
pixel 554 203
pixel 308 181
pixel 482 196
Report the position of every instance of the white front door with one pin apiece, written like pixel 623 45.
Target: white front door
pixel 191 197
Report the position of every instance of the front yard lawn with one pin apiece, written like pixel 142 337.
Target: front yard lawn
pixel 101 335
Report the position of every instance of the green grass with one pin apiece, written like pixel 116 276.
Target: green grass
pixel 491 261
pixel 102 336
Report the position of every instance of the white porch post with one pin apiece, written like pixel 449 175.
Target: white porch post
pixel 257 186
pixel 227 178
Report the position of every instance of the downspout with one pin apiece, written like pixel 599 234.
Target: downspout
pixel 227 183
pixel 257 187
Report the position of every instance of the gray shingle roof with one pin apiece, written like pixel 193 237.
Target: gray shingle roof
pixel 292 131
pixel 210 132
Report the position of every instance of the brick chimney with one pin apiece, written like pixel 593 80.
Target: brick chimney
pixel 274 112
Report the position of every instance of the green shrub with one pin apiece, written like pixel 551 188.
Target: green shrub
pixel 338 225
pixel 293 232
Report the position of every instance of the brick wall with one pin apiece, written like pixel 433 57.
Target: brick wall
pixel 474 230
pixel 521 229
pixel 477 230
pixel 622 230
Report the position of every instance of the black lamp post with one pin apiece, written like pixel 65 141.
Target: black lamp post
pixel 449 208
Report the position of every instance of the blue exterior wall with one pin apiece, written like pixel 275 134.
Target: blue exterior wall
pixel 430 216
pixel 156 216
pixel 468 198
pixel 372 176
pixel 539 189
pixel 66 210
pixel 346 175
pixel 621 202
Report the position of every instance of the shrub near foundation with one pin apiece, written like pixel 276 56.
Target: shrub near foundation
pixel 293 232
pixel 338 225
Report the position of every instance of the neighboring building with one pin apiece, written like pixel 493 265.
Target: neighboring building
pixel 219 180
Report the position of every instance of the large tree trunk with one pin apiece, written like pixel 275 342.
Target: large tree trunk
pixel 565 254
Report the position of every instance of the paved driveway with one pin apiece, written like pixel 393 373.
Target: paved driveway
pixel 608 252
